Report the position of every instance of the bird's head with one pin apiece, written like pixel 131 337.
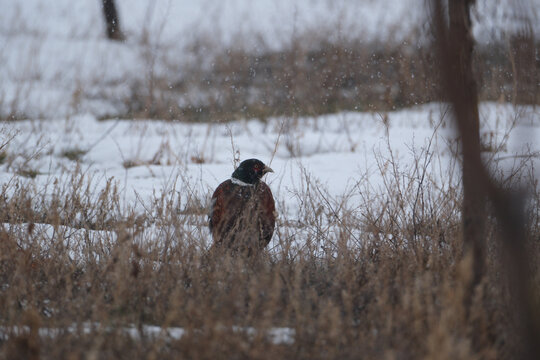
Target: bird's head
pixel 251 171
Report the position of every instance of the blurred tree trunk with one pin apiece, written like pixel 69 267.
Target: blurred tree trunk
pixel 474 197
pixel 455 45
pixel 462 91
pixel 111 20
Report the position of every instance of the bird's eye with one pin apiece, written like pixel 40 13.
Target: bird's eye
pixel 256 168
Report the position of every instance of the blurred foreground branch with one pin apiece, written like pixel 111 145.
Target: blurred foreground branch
pixel 455 49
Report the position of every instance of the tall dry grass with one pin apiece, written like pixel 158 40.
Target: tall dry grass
pixel 319 73
pixel 375 273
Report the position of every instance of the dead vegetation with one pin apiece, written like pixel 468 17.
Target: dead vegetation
pixel 314 75
pixel 374 273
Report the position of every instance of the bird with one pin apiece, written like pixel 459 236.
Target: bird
pixel 242 213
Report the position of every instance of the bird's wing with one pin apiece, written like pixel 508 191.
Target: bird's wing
pixel 268 209
pixel 217 206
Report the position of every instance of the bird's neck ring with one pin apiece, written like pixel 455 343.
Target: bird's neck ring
pixel 240 182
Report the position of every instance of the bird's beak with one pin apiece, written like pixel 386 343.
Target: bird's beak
pixel 267 170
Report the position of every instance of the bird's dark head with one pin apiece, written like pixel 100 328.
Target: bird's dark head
pixel 251 171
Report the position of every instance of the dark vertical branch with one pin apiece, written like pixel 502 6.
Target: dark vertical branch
pixel 111 20
pixel 454 49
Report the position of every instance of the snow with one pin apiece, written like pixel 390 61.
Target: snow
pixel 276 335
pixel 51 52
pixel 273 20
pixel 340 152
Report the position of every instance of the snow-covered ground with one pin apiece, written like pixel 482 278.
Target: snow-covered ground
pixel 344 154
pixel 277 335
pixel 52 52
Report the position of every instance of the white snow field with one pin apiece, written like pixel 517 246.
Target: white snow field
pixel 52 52
pixel 278 335
pixel 348 155
pixel 49 51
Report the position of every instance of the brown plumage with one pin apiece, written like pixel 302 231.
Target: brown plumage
pixel 242 214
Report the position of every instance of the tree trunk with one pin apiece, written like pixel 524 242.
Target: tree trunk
pixel 474 197
pixel 457 58
pixel 455 45
pixel 111 20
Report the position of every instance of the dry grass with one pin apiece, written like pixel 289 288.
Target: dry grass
pixel 318 73
pixel 371 274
